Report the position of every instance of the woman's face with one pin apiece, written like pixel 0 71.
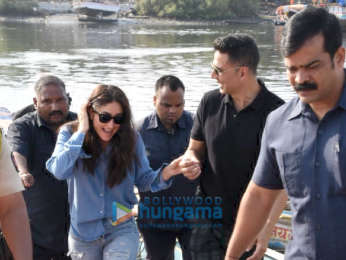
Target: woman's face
pixel 110 112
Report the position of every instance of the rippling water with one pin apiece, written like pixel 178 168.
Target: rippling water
pixel 128 54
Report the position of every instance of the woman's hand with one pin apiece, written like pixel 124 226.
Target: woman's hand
pixel 83 119
pixel 124 218
pixel 190 169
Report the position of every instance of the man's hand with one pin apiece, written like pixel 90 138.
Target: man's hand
pixel 266 232
pixel 191 162
pixel 22 166
pixel 27 179
pixel 261 244
pixel 189 169
pixel 264 235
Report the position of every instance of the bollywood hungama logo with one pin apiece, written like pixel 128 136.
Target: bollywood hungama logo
pixel 180 208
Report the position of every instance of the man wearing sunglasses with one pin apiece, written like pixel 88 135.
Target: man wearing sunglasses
pixel 166 134
pixel 303 147
pixel 32 139
pixel 225 137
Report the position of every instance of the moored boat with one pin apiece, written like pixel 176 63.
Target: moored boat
pixel 96 11
pixel 98 19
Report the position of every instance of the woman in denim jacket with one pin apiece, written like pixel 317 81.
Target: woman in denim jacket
pixel 102 157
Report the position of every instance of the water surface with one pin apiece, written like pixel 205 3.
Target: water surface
pixel 128 54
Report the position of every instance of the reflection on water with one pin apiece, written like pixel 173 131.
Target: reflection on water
pixel 127 54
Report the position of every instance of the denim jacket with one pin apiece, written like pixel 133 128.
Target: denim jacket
pixel 90 198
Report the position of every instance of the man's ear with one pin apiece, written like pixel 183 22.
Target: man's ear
pixel 339 57
pixel 243 71
pixel 35 102
pixel 154 100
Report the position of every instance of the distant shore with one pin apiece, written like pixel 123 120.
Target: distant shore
pixel 56 11
pixel 71 18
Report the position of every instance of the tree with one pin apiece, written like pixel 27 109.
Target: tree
pixel 17 7
pixel 198 9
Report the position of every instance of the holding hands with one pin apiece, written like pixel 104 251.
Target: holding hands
pixel 186 165
pixel 190 167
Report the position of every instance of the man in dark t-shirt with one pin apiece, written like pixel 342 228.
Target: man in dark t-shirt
pixel 32 139
pixel 226 137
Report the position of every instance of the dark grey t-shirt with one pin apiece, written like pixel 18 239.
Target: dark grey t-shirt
pixel 46 200
pixel 232 143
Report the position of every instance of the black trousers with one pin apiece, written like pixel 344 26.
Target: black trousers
pixel 210 242
pixel 41 253
pixel 5 253
pixel 160 244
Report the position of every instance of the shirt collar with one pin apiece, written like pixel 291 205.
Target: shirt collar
pixel 259 100
pixel 298 109
pixel 154 122
pixel 257 103
pixel 227 99
pixel 40 122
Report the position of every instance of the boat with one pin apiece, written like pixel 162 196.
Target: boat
pixel 96 11
pixel 336 7
pixel 98 19
pixel 284 12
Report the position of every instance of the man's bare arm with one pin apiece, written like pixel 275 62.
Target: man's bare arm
pixel 256 204
pixel 266 232
pixel 22 166
pixel 196 150
pixel 15 225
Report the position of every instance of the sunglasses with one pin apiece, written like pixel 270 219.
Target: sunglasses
pixel 219 71
pixel 105 117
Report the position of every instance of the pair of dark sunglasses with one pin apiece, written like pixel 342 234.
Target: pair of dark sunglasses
pixel 219 71
pixel 105 117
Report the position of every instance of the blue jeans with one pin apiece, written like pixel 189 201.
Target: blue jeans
pixel 119 243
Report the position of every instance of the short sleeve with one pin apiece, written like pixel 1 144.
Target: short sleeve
pixel 9 178
pixel 197 132
pixel 18 137
pixel 267 173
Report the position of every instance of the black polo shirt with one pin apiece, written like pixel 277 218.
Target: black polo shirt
pixel 232 142
pixel 46 200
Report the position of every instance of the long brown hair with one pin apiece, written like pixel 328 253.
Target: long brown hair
pixel 123 142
